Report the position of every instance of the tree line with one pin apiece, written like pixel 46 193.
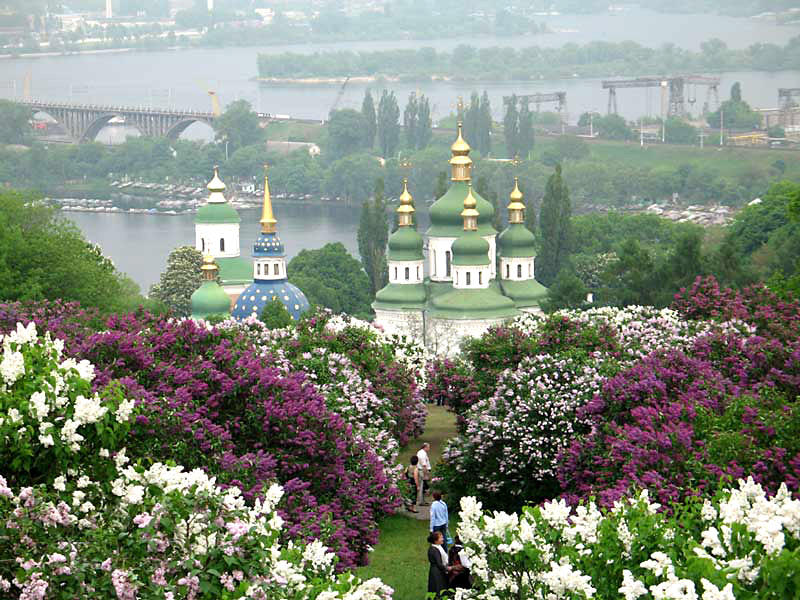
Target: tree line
pixel 594 59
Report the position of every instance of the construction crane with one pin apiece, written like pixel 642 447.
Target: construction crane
pixel 539 99
pixel 673 86
pixel 339 95
pixel 216 108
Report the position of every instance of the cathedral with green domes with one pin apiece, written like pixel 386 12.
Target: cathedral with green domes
pixel 471 279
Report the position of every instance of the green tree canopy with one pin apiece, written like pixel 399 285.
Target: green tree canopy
pixel 330 277
pixel 373 235
pixel 180 280
pixel 613 127
pixel 555 224
pixel 370 120
pixel 388 124
pixel 275 316
pixel 43 256
pixel 239 126
pixel 14 123
pixel 348 132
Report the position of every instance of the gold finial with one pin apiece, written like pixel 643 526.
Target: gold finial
pixel 516 208
pixel 406 208
pixel 268 220
pixel 460 163
pixel 470 213
pixel 216 184
pixel 209 267
pixel 460 146
pixel 515 162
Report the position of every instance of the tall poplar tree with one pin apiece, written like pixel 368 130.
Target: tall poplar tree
pixel 487 193
pixel 530 213
pixel 370 120
pixel 373 236
pixel 525 132
pixel 556 229
pixel 472 120
pixel 388 124
pixel 485 125
pixel 411 120
pixel 424 123
pixel 511 126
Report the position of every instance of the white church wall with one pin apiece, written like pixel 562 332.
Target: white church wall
pixel 444 336
pixel 510 269
pixel 208 236
pixel 397 271
pixel 402 322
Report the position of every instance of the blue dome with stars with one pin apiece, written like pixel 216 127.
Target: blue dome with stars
pixel 257 295
pixel 268 244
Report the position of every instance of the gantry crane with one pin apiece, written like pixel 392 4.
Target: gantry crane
pixel 672 90
pixel 788 104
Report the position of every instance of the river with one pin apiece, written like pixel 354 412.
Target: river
pixel 180 78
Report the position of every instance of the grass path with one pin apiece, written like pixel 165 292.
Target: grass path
pixel 400 557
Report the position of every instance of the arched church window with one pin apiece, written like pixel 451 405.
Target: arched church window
pixel 530 269
pixel 222 244
pixel 417 271
pixel 202 244
pixel 276 269
pixel 480 277
pixel 448 258
pixel 519 271
pixel 508 271
pixel 408 273
pixel 395 273
pixel 258 268
pixel 469 278
pixel 433 263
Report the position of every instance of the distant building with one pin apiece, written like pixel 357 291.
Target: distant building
pixel 475 279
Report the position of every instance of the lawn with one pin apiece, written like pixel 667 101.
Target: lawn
pixel 400 557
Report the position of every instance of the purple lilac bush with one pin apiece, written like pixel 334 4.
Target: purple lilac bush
pixel 209 398
pixel 680 421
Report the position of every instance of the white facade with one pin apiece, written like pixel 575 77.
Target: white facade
pixel 445 335
pixel 517 269
pixel 492 239
pixel 472 277
pixel 269 269
pixel 220 239
pixel 406 272
pixel 410 323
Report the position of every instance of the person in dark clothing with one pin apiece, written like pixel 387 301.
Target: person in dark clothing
pixel 438 573
pixel 459 575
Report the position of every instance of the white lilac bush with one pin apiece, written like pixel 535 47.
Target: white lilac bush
pixel 78 519
pixel 741 544
pixel 512 440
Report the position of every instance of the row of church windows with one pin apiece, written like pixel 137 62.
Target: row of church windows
pixel 221 244
pixel 276 269
pixel 519 270
pixel 468 278
pixel 407 273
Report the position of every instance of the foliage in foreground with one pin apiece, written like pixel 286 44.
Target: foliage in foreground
pixel 742 544
pixel 294 412
pixel 77 517
pixel 597 402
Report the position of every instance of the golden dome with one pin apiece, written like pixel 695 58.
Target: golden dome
pixel 460 146
pixel 516 197
pixel 209 267
pixel 469 204
pixel 406 199
pixel 216 184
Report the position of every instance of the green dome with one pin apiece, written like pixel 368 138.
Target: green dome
pixel 405 244
pixel 396 296
pixel 210 299
pixel 516 241
pixel 524 293
pixel 217 212
pixel 470 250
pixel 446 219
pixel 486 303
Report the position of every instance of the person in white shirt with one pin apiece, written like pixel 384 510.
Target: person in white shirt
pixel 424 467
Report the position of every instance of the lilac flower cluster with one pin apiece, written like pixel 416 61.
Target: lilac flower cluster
pixel 210 398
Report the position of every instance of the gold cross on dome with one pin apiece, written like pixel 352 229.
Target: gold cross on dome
pixel 405 163
pixel 516 162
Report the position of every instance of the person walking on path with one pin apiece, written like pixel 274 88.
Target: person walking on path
pixel 424 468
pixel 438 572
pixel 413 479
pixel 439 517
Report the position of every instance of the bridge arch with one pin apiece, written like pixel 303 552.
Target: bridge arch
pixel 174 132
pixel 96 126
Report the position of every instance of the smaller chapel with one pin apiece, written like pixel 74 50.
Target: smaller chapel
pixel 248 286
pixel 475 278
